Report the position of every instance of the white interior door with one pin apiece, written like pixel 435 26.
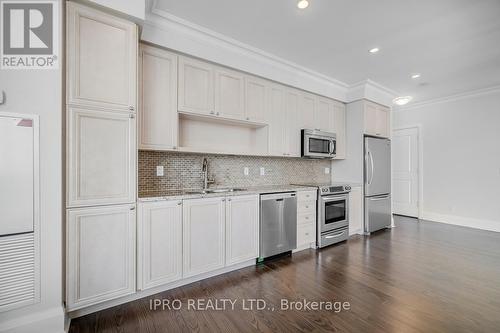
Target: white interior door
pixel 405 172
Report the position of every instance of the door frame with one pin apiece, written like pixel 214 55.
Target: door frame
pixel 420 177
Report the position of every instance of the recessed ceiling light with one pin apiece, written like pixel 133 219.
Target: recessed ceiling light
pixel 403 100
pixel 374 50
pixel 302 4
pixel 415 76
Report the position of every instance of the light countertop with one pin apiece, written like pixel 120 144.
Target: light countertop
pixel 187 193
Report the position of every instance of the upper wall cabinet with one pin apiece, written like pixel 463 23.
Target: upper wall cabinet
pixel 324 115
pixel 307 107
pixel 229 94
pixel 158 119
pixel 102 59
pixel 255 99
pixel 275 118
pixel 377 120
pixel 339 119
pixel 196 86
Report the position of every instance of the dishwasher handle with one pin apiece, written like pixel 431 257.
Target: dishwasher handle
pixel 277 196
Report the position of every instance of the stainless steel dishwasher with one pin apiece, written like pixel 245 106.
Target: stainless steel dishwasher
pixel 278 224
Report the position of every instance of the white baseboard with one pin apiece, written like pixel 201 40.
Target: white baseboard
pixel 155 290
pixel 48 321
pixel 489 225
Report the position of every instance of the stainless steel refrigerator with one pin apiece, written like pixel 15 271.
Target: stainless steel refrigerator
pixel 377 184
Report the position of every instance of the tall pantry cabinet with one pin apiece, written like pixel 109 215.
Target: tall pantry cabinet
pixel 100 156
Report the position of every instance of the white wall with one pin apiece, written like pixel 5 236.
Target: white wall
pixel 461 158
pixel 40 92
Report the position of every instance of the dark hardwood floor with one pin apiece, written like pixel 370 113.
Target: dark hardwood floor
pixel 417 277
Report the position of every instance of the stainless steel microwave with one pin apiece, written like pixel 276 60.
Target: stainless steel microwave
pixel 318 144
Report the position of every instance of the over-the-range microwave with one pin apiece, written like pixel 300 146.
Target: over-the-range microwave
pixel 318 144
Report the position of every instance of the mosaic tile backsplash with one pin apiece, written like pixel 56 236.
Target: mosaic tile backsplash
pixel 183 171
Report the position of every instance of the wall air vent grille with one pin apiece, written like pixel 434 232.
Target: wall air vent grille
pixel 17 271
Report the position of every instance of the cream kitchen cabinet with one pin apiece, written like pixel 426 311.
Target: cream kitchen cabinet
pixel 339 124
pixel 158 120
pixel 324 116
pixel 292 133
pixel 242 228
pixel 101 157
pixel 356 215
pixel 377 120
pixel 306 219
pixel 159 239
pixel 255 99
pixel 100 254
pixel 101 59
pixel 196 86
pixel 203 235
pixel 307 103
pixel 276 120
pixel 229 94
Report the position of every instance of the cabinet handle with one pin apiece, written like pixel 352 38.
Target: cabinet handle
pixel 217 113
pixel 131 116
pixel 132 208
pixel 228 199
pixel 223 200
pixel 174 147
pixel 131 108
pixel 248 118
pixel 211 112
pixel 179 203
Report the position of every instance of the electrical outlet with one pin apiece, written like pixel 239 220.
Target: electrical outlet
pixel 262 171
pixel 327 171
pixel 246 171
pixel 159 170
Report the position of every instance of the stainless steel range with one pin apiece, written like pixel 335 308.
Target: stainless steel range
pixel 332 213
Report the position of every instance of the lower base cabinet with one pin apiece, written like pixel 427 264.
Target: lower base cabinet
pixel 242 229
pixel 100 254
pixel 203 235
pixel 159 239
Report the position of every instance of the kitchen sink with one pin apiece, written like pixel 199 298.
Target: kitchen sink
pixel 216 190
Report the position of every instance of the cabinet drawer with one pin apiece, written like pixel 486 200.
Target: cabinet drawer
pixel 306 206
pixel 307 218
pixel 306 195
pixel 306 234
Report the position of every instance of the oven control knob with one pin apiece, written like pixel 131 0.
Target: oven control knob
pixel 324 190
pixel 348 188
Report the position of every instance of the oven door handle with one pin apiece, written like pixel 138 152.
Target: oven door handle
pixel 336 198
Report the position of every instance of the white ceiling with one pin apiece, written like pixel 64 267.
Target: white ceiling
pixel 454 44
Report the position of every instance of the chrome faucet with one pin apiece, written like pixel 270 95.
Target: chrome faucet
pixel 204 170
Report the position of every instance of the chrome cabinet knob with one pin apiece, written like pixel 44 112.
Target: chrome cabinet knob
pixel 131 108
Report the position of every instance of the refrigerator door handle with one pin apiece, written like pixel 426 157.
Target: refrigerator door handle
pixel 370 158
pixel 380 198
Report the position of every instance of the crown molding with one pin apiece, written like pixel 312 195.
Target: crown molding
pixel 450 98
pixel 170 31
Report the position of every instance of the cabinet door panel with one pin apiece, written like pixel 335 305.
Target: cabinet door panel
pixel 196 86
pixel 370 118
pixel 382 122
pixel 276 117
pixel 203 235
pixel 323 115
pixel 159 243
pixel 255 99
pixel 158 111
pixel 100 254
pixel 242 229
pixel 339 123
pixel 307 110
pixel 229 94
pixel 293 123
pixel 101 154
pixel 102 59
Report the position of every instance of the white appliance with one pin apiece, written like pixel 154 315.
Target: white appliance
pixel 318 144
pixel 377 184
